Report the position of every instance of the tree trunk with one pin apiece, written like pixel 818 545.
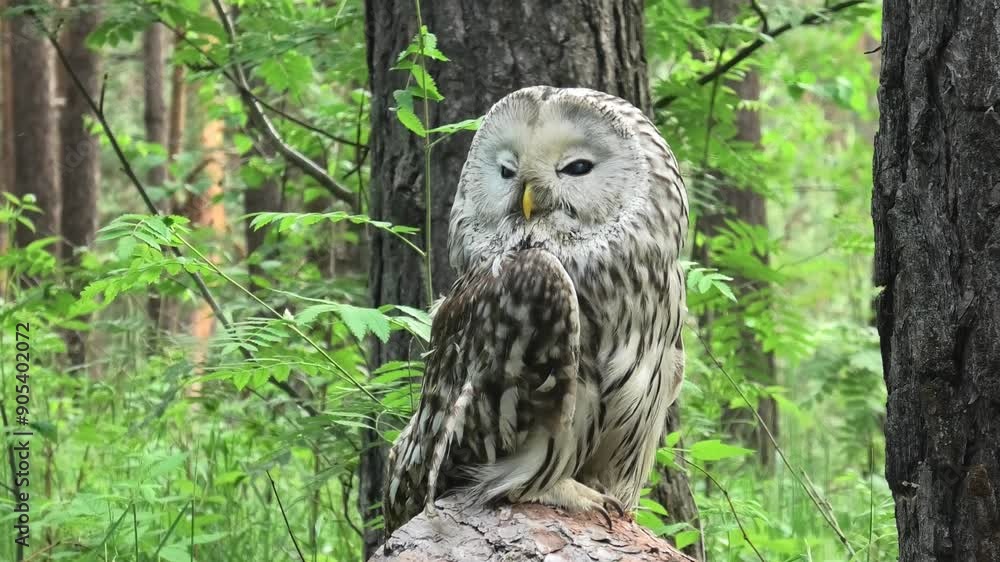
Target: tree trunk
pixel 36 168
pixel 155 119
pixel 206 210
pixel 591 43
pixel 936 209
pixel 7 117
pixel 742 203
pixel 168 317
pixel 81 162
pixel 155 107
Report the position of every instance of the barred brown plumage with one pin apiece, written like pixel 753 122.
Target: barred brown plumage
pixel 557 352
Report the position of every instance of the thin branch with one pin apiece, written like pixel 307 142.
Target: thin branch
pixel 203 289
pixel 710 118
pixel 815 18
pixel 732 508
pixel 284 515
pixel 765 27
pixel 808 488
pixel 428 222
pixel 309 127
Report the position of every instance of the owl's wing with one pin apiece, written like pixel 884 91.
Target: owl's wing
pixel 503 365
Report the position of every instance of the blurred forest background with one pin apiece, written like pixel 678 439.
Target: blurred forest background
pixel 218 381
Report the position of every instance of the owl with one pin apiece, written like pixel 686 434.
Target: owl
pixel 558 351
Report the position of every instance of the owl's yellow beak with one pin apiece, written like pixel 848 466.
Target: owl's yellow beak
pixel 527 201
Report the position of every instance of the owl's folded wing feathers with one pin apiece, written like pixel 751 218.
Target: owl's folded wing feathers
pixel 505 347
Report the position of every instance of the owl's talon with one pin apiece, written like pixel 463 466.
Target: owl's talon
pixel 607 516
pixel 576 497
pixel 617 505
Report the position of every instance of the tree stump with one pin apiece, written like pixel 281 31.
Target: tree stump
pixel 521 533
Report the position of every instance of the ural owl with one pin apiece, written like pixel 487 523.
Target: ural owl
pixel 557 353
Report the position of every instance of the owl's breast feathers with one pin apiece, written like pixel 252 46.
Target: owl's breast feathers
pixel 502 372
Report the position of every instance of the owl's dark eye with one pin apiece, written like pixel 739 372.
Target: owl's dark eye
pixel 506 173
pixel 578 168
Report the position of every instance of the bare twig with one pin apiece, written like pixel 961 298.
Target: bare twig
pixel 203 289
pixel 765 28
pixel 288 526
pixel 815 18
pixel 732 508
pixel 807 487
pixel 710 118
pixel 309 127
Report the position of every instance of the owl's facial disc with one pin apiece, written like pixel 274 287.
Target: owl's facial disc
pixel 560 164
pixel 559 170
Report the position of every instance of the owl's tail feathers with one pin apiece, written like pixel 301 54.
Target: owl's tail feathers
pixel 454 424
pixel 539 464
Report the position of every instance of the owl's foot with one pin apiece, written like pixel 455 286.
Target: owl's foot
pixel 573 496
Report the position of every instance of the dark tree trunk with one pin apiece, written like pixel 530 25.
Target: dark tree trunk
pixel 36 168
pixel 742 203
pixel 81 163
pixel 257 199
pixel 936 209
pixel 495 48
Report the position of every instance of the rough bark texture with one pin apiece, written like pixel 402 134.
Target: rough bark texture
pixel 521 533
pixel 35 128
pixel 936 208
pixel 742 203
pixel 80 162
pixel 495 48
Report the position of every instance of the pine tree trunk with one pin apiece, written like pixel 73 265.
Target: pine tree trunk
pixel 80 162
pixel 154 115
pixel 936 208
pixel 169 308
pixel 206 210
pixel 36 168
pixel 6 119
pixel 495 48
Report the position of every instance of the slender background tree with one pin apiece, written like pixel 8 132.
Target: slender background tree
pixel 35 127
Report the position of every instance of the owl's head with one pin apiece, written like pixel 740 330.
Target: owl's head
pixel 561 168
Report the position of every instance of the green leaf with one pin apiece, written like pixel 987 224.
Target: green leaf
pixel 291 72
pixel 426 86
pixel 715 450
pixel 684 539
pixel 429 50
pixel 166 465
pixel 361 321
pixel 405 113
pixel 465 125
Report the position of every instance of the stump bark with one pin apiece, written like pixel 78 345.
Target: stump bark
pixel 521 533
